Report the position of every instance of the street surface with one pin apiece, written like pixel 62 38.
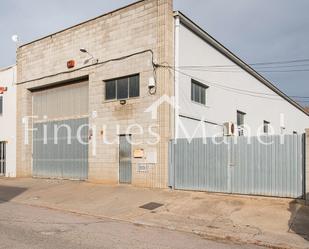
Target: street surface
pixel 28 227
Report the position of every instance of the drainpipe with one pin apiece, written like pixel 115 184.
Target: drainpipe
pixel 307 167
pixel 177 85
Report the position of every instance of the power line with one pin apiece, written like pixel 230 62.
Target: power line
pixel 280 62
pixel 236 66
pixel 284 71
pixel 95 65
pixel 241 71
pixel 237 90
pixel 299 97
pixel 231 89
pixel 268 63
pixel 253 92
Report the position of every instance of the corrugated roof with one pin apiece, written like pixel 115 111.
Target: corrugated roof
pixel 6 68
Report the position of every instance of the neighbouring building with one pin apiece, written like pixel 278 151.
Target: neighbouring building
pixel 124 79
pixel 8 122
pixel 232 91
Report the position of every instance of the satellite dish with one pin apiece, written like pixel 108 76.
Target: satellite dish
pixel 15 38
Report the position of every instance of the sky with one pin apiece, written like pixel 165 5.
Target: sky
pixel 255 30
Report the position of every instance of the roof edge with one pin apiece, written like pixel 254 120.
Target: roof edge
pixel 81 23
pixel 7 68
pixel 230 55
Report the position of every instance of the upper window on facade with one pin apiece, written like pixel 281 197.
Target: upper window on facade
pixel 122 88
pixel 266 126
pixel 1 105
pixel 198 92
pixel 240 122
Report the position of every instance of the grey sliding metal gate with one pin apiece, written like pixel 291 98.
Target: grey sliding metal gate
pixel 239 165
pixel 2 158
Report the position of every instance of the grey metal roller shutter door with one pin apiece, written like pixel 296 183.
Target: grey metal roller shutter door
pixel 64 109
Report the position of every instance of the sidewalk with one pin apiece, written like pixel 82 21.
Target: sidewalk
pixel 278 223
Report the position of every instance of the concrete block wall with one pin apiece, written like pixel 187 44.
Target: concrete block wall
pixel 141 26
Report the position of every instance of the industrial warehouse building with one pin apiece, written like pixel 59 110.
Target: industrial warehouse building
pixel 121 81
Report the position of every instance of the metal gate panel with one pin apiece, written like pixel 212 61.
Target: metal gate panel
pixel 199 166
pixel 125 164
pixel 241 165
pixel 271 168
pixel 64 159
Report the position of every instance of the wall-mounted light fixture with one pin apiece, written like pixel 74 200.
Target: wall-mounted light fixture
pixel 85 51
pixel 123 102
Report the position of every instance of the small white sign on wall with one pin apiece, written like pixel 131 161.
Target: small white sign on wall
pixel 152 157
pixel 142 168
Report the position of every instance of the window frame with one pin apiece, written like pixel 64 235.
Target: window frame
pixel 128 77
pixel 243 114
pixel 241 126
pixel 266 124
pixel 203 87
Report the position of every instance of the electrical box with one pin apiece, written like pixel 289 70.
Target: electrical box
pixel 138 153
pixel 151 83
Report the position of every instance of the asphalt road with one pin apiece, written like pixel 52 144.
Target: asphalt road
pixel 23 226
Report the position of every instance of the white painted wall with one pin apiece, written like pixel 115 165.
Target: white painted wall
pixel 8 118
pixel 222 105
